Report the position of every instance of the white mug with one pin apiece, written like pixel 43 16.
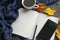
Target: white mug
pixel 29 4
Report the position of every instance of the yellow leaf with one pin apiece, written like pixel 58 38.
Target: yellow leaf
pixel 49 11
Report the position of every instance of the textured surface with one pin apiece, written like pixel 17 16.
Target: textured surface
pixel 57 7
pixel 8 14
pixel 46 1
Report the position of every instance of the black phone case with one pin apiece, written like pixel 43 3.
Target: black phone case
pixel 47 31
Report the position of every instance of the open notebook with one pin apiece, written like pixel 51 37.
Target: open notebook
pixel 26 23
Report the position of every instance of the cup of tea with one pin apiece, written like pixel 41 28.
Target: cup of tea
pixel 29 4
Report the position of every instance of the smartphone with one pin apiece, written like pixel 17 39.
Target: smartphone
pixel 47 31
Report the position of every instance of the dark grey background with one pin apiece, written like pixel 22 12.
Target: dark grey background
pixel 57 7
